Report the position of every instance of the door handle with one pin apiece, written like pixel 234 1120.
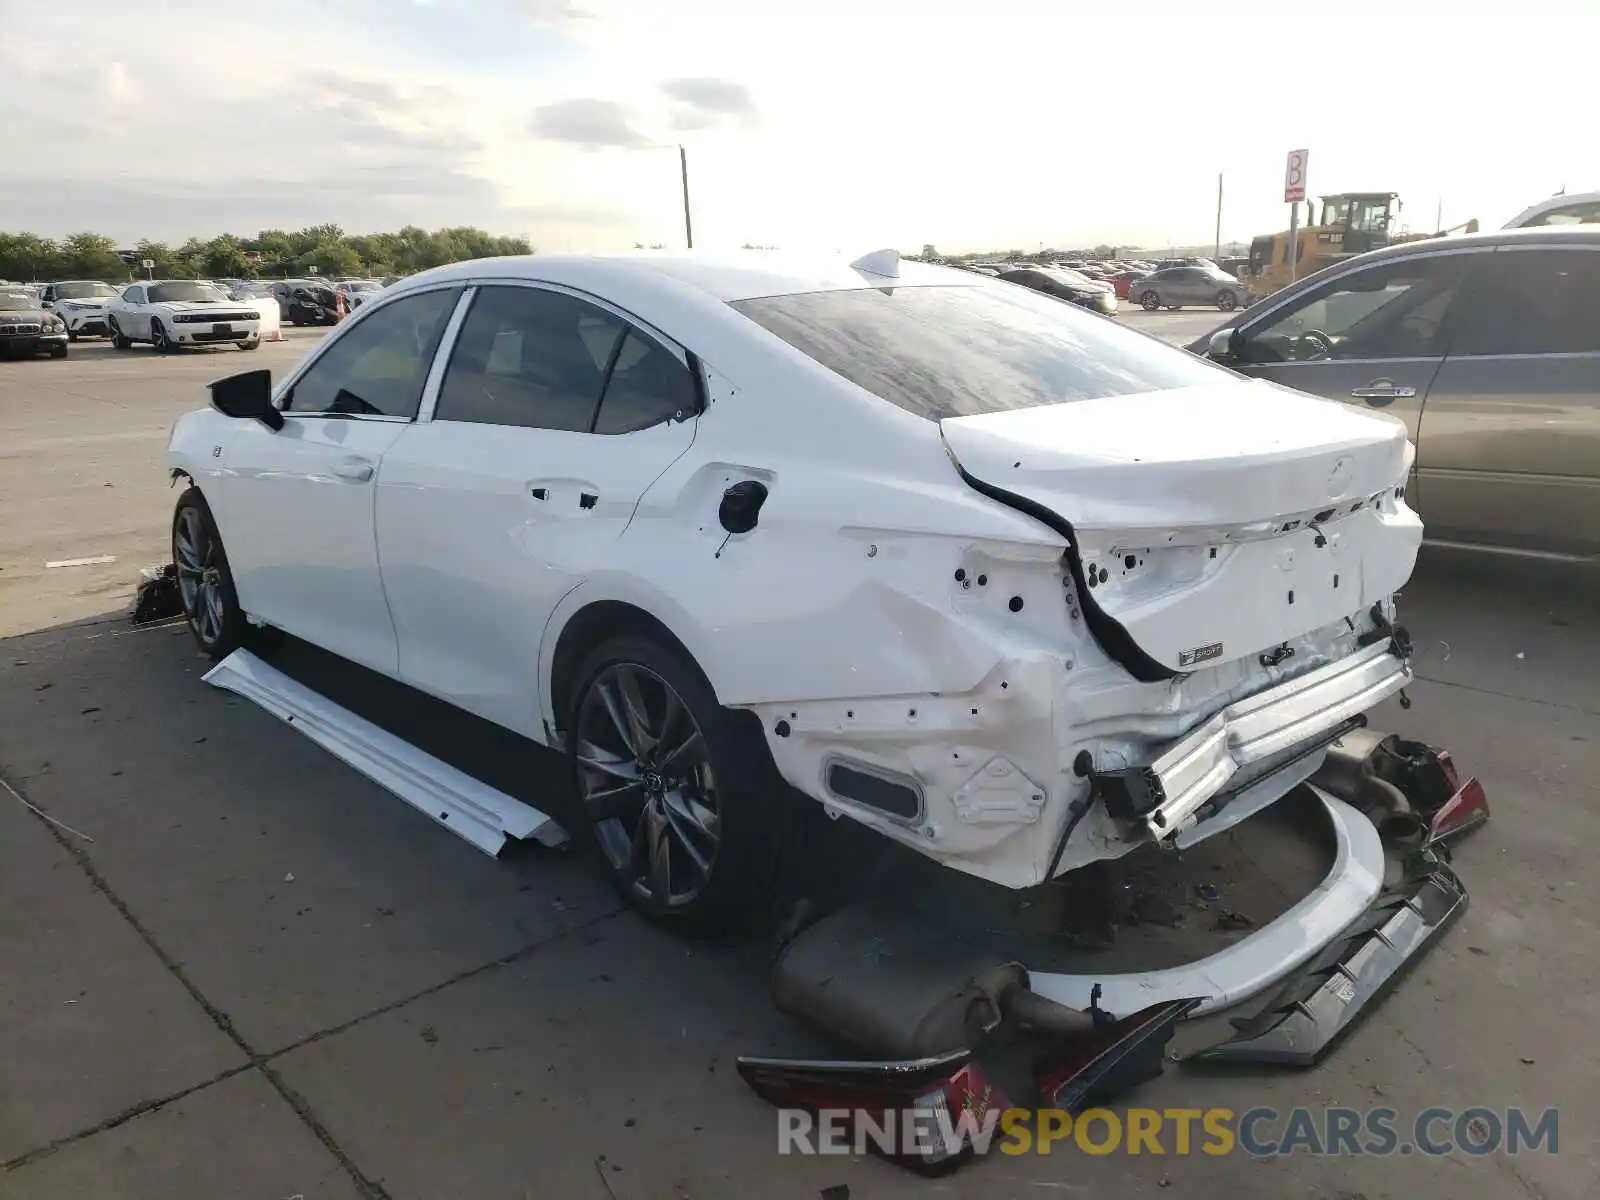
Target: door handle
pixel 1382 391
pixel 358 470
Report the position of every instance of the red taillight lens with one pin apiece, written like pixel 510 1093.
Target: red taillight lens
pixel 952 1095
pixel 1111 1060
pixel 1465 810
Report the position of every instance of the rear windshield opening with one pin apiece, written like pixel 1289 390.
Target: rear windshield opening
pixel 958 351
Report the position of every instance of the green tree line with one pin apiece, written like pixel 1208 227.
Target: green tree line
pixel 272 253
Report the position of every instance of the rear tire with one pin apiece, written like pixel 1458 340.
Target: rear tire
pixel 1150 301
pixel 677 802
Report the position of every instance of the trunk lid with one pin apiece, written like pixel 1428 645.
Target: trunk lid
pixel 1207 523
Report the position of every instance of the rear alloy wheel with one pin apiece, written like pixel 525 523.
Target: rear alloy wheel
pixel 1150 301
pixel 160 338
pixel 1227 301
pixel 670 796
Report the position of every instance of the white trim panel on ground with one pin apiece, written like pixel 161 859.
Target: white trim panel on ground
pixel 1250 966
pixel 466 806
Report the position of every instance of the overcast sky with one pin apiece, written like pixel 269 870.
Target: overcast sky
pixel 836 123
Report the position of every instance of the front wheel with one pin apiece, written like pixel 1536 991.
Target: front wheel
pixel 252 344
pixel 59 350
pixel 205 583
pixel 674 801
pixel 1150 301
pixel 160 338
pixel 1227 301
pixel 118 342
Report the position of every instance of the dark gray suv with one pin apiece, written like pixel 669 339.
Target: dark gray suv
pixel 1487 346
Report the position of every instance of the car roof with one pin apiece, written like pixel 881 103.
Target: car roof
pixel 742 275
pixel 1553 203
pixel 1555 235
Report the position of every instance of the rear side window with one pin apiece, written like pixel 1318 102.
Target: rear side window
pixel 648 385
pixel 957 351
pixel 530 358
pixel 1530 302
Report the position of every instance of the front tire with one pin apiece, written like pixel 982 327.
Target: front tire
pixel 205 583
pixel 1150 301
pixel 252 344
pixel 59 351
pixel 1227 301
pixel 675 803
pixel 159 337
pixel 118 342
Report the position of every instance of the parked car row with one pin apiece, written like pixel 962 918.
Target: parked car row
pixel 1171 283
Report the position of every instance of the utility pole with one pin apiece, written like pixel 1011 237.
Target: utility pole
pixel 1217 252
pixel 688 226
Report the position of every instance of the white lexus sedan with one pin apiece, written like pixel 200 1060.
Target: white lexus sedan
pixel 1005 582
pixel 172 313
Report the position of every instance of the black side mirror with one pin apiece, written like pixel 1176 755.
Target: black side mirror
pixel 741 506
pixel 247 396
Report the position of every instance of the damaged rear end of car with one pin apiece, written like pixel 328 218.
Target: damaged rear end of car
pixel 1203 637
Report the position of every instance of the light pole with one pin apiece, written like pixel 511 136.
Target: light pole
pixel 683 170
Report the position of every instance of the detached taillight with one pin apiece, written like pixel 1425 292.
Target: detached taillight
pixel 1465 810
pixel 924 1114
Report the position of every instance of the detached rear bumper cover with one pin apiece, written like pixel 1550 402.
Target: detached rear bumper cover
pixel 1169 792
pixel 1252 965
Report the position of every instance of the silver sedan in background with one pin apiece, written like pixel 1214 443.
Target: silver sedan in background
pixel 1174 287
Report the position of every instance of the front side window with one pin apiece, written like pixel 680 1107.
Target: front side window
pixel 955 351
pixel 1530 302
pixel 134 295
pixel 380 364
pixel 1388 310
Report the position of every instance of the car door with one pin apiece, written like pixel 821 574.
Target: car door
pixel 1374 335
pixel 1185 286
pixel 554 415
pixel 295 505
pixel 1510 449
pixel 130 310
